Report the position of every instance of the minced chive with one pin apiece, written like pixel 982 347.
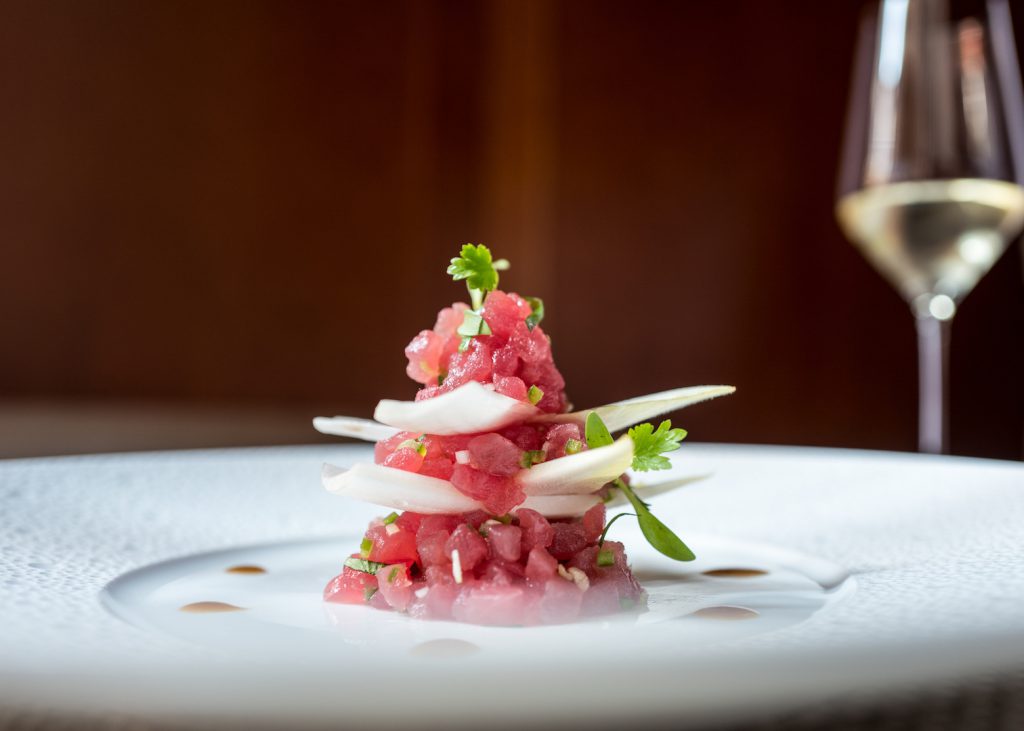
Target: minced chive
pixel 391 518
pixel 535 395
pixel 365 546
pixel 605 557
pixel 393 575
pixel 361 564
pixel 506 518
pixel 572 446
pixel 368 592
pixel 532 457
pixel 627 603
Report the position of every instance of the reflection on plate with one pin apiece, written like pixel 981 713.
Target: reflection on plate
pixel 933 545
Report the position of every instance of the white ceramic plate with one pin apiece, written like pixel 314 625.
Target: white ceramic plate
pixel 883 571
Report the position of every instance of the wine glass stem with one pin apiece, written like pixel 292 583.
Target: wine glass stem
pixel 933 374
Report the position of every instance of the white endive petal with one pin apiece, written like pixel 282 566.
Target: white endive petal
pixel 645 492
pixel 622 414
pixel 350 426
pixel 561 506
pixel 396 489
pixel 578 474
pixel 401 490
pixel 469 409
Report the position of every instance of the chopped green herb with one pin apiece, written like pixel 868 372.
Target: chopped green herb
pixel 650 444
pixel 368 592
pixel 537 311
pixel 596 433
pixel 605 557
pixel 626 603
pixel 391 518
pixel 535 395
pixel 572 446
pixel 506 519
pixel 361 564
pixel 392 575
pixel 365 546
pixel 531 457
pixel 473 324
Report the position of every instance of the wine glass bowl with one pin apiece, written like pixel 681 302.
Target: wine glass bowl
pixel 933 159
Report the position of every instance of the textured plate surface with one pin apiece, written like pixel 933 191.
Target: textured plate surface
pixel 934 545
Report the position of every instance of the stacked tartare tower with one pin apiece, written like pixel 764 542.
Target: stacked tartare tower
pixel 499 503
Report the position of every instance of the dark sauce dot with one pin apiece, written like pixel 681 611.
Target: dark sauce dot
pixel 211 607
pixel 725 612
pixel 735 573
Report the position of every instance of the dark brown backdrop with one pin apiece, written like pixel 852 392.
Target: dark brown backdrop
pixel 253 202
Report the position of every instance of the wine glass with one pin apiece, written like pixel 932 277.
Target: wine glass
pixel 932 163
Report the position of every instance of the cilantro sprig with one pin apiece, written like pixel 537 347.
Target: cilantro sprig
pixel 649 444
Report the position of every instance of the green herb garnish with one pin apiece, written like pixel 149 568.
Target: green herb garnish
pixel 531 457
pixel 648 445
pixel 573 446
pixel 393 575
pixel 391 518
pixel 474 264
pixel 368 593
pixel 361 564
pixel 535 395
pixel 365 546
pixel 595 432
pixel 536 313
pixel 606 557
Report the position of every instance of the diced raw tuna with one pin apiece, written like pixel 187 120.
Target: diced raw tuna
pixel 541 565
pixel 491 605
pixel 537 531
pixel 561 601
pixel 395 586
pixel 469 543
pixel 505 541
pixel 495 455
pixel 350 587
pixel 569 539
pixel 498 494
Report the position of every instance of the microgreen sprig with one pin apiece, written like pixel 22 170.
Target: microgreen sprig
pixel 648 445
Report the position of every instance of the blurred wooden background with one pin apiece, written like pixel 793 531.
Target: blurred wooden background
pixel 249 205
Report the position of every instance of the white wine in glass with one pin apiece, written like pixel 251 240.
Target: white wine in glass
pixel 932 164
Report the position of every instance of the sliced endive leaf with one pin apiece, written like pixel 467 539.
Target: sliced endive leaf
pixel 561 506
pixel 469 409
pixel 622 414
pixel 396 489
pixel 350 426
pixel 402 490
pixel 578 474
pixel 646 491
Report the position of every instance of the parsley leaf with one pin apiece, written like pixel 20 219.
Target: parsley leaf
pixel 649 445
pixel 475 265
